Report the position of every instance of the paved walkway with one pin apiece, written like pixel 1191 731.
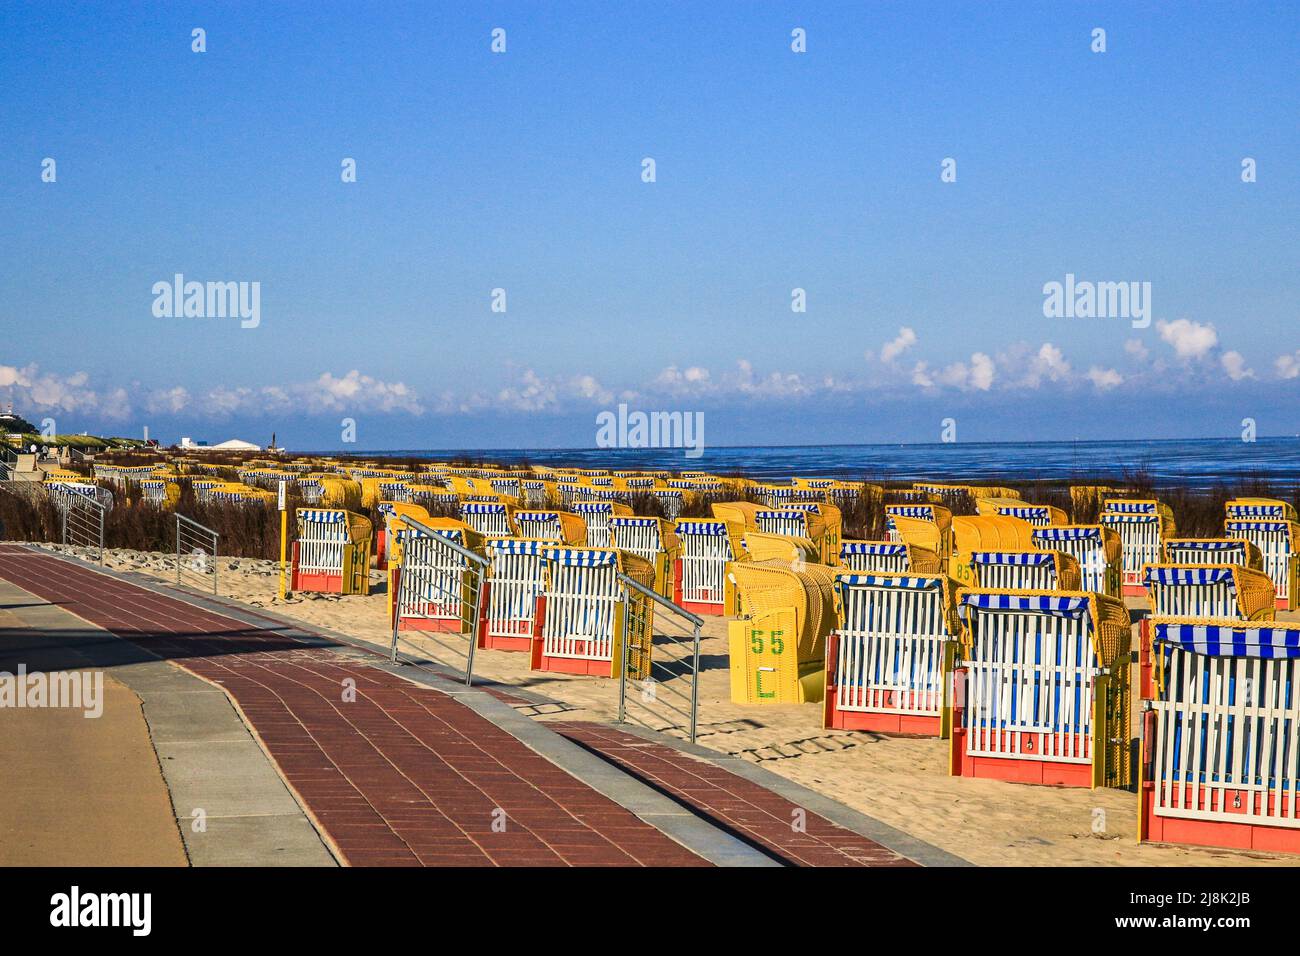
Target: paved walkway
pixel 397 766
pixel 78 790
pixel 763 818
pixel 399 775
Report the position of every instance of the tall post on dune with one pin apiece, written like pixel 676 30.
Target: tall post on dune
pixel 284 533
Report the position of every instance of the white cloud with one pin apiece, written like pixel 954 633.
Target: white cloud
pixel 896 346
pixel 49 394
pixel 1104 378
pixel 1288 366
pixel 1234 363
pixel 1137 349
pixel 1189 340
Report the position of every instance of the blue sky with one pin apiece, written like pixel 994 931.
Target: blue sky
pixel 774 171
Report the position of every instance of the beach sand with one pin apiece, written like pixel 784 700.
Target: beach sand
pixel 901 781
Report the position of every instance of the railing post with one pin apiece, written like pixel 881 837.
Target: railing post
pixel 695 683
pixel 622 671
pixel 397 598
pixel 101 535
pixel 178 550
pixel 474 621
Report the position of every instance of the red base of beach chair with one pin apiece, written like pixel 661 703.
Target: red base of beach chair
pixel 1215 833
pixel 438 624
pixel 1283 604
pixel 316 583
pixel 381 550
pixel 715 607
pixel 1134 590
pixel 833 718
pixel 908 725
pixel 540 661
pixel 1146 670
pixel 1049 773
pixel 520 640
pixel 704 609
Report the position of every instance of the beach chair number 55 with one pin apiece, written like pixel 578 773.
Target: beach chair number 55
pixel 776 646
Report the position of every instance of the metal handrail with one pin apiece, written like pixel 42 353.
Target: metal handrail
pixel 693 699
pixel 482 562
pixel 197 533
pixel 94 536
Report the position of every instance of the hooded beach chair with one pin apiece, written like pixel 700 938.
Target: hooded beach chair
pixel 1276 539
pixel 700 580
pixel 437 584
pixel 597 515
pixel 671 501
pixel 516 578
pixel 821 524
pixel 652 540
pixel 1025 570
pixel 1142 526
pixel 777 647
pixel 985 533
pixel 1038 515
pixel 1220 749
pixel 1097 550
pixel 890 557
pixel 161 492
pixel 890 657
pixel 580 619
pixel 928 525
pixel 1201 590
pixel 389 511
pixel 489 518
pixel 1043 688
pixel 559 527
pixel 332 552
pixel 1212 551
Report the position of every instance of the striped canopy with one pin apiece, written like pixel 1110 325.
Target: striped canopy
pixel 702 527
pixel 1189 575
pixel 625 522
pixel 1055 605
pixel 494 508
pixel 321 515
pixel 1120 517
pixel 911 511
pixel 900 581
pixel 885 548
pixel 1230 640
pixel 1257 525
pixel 1262 511
pixel 788 514
pixel 1027 558
pixel 1131 507
pixel 517 546
pixel 593 507
pixel 1066 534
pixel 1190 544
pixel 1026 511
pixel 584 558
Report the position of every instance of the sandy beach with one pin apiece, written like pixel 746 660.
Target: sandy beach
pixel 901 781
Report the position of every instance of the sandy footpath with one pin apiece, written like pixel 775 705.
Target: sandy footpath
pixel 901 781
pixel 80 791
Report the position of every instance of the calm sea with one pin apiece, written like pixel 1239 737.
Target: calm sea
pixel 1199 463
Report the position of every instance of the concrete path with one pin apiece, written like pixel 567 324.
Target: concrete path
pixel 78 790
pixel 392 773
pixel 217 785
